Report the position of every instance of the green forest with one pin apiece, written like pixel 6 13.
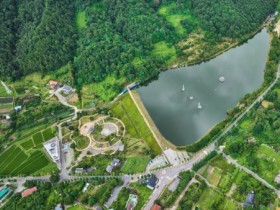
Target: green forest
pixel 127 39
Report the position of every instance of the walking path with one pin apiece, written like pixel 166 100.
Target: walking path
pixel 256 176
pixel 183 193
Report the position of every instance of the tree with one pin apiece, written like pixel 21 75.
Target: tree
pixel 54 178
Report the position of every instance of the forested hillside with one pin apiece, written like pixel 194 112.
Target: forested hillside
pixel 232 18
pixel 128 39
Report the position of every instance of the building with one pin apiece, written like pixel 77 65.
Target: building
pixel 79 171
pixel 3 192
pixel 150 182
pixel 67 89
pixel 53 148
pixel 250 199
pixel 156 207
pixel 131 202
pixel 84 170
pixel 53 84
pixel 18 108
pixel 28 192
pixel 113 164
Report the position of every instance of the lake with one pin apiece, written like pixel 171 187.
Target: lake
pixel 178 117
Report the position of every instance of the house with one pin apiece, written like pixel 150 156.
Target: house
pixel 3 192
pixel 250 199
pixel 67 89
pixel 18 108
pixel 79 171
pixel 53 84
pixel 150 182
pixel 156 207
pixel 113 164
pixel 28 192
pixel 131 202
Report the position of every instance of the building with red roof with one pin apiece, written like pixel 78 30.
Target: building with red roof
pixel 28 192
pixel 156 207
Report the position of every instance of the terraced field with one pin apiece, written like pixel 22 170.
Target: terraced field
pixel 27 156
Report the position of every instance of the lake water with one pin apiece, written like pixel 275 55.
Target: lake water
pixel 177 117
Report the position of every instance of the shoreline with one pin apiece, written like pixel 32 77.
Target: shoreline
pixel 167 142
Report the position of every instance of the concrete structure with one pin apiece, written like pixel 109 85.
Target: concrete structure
pixel 53 148
pixel 28 192
pixel 114 163
pixel 131 202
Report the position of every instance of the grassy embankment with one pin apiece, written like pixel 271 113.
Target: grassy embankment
pixel 125 110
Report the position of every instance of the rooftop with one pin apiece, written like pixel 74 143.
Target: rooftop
pixel 52 147
pixel 3 192
pixel 156 207
pixel 250 198
pixel 28 192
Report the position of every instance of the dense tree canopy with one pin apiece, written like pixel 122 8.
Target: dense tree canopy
pixel 128 39
pixel 232 18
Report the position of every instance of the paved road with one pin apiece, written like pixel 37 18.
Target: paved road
pixel 65 103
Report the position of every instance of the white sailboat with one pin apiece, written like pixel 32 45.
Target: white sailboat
pixel 199 106
pixel 183 88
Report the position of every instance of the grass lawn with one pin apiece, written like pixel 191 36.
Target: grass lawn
pixel 27 144
pixel 38 138
pixel 106 90
pixel 76 207
pixel 48 134
pixel 269 163
pixel 215 176
pixel 135 164
pixel 175 15
pixel 135 125
pixel 122 199
pixel 143 192
pixel 80 20
pixel 81 142
pixel 161 49
pixel 207 198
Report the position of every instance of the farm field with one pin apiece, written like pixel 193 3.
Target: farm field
pixel 15 161
pixel 27 156
pixel 225 178
pixel 135 125
pixel 135 164
pixel 27 144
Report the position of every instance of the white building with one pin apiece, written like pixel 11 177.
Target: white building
pixel 53 148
